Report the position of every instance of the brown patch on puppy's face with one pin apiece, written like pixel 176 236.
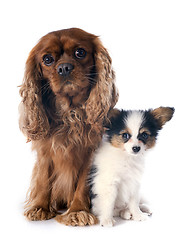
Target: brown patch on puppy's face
pixel 117 141
pixel 146 138
pixel 150 142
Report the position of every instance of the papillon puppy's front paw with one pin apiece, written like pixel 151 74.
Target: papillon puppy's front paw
pixel 107 222
pixel 145 209
pixel 139 216
pixel 125 214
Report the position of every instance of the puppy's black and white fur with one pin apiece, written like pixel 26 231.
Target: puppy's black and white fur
pixel 118 163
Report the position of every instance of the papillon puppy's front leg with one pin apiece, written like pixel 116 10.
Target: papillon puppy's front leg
pixel 107 202
pixel 135 212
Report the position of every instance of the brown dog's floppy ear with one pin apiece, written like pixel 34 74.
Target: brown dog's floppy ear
pixel 33 120
pixel 104 95
pixel 162 115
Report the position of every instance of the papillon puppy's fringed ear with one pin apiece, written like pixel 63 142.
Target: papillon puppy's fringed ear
pixel 162 115
pixel 118 163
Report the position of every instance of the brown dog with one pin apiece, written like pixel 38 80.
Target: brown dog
pixel 67 92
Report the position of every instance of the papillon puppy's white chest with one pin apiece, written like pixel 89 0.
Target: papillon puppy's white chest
pixel 118 164
pixel 117 168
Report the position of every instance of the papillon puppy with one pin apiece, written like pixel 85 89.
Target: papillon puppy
pixel 118 164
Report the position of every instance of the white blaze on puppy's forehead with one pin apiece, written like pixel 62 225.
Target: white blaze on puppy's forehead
pixel 134 122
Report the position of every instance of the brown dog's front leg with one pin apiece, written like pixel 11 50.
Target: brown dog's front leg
pixel 78 213
pixel 38 202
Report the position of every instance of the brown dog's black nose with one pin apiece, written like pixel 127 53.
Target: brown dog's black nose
pixel 136 149
pixel 65 69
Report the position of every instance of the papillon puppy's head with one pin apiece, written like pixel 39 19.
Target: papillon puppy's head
pixel 136 131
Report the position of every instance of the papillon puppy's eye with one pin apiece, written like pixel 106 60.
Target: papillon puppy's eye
pixel 48 59
pixel 80 53
pixel 126 137
pixel 145 135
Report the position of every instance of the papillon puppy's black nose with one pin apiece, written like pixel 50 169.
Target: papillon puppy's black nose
pixel 136 149
pixel 65 69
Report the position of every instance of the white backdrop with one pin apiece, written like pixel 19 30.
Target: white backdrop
pixel 146 40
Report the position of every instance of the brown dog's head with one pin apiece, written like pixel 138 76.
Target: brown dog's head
pixel 67 61
pixel 66 70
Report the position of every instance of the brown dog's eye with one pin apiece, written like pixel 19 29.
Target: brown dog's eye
pixel 48 59
pixel 80 53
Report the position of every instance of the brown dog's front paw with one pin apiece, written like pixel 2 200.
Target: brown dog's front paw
pixel 39 214
pixel 81 218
